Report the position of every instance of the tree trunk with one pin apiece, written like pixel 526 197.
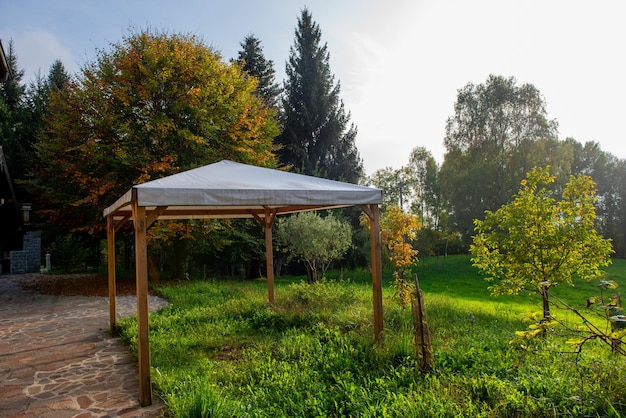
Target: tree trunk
pixel 278 265
pixel 177 259
pixel 546 303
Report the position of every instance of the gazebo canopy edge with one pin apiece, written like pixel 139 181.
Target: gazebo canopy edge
pixel 232 185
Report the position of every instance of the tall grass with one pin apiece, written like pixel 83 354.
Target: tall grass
pixel 220 350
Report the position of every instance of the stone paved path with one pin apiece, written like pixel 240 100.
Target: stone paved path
pixel 57 359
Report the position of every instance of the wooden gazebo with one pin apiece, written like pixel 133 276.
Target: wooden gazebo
pixel 229 190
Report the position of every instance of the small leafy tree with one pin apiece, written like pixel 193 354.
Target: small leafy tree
pixel 314 240
pixel 537 241
pixel 398 229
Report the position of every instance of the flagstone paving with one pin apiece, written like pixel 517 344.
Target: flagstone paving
pixel 58 360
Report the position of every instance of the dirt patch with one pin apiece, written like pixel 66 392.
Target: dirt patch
pixel 228 353
pixel 76 284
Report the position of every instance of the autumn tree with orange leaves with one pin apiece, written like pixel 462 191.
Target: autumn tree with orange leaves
pixel 397 230
pixel 154 105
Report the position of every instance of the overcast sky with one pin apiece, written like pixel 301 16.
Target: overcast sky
pixel 400 62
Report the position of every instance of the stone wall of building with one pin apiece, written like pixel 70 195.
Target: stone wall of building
pixel 29 259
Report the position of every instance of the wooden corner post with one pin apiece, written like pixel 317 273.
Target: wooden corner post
pixel 111 272
pixel 141 269
pixel 377 270
pixel 268 221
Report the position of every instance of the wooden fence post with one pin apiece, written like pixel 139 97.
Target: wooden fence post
pixel 421 333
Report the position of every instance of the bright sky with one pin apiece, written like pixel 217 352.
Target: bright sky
pixel 400 62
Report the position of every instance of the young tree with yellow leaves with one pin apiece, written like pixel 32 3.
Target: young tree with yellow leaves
pixel 536 241
pixel 397 230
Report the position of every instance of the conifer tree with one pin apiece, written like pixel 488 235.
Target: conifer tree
pixel 14 118
pixel 317 138
pixel 36 102
pixel 252 60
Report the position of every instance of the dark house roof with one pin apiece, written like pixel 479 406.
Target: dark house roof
pixel 7 193
pixel 5 71
pixel 10 222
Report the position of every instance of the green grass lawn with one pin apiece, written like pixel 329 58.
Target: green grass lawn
pixel 219 349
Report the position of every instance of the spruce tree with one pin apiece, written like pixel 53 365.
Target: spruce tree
pixel 36 102
pixel 58 78
pixel 252 60
pixel 13 117
pixel 317 138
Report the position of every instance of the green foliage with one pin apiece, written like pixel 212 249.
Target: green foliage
pixel 499 129
pixel 224 247
pixel 317 137
pixel 252 60
pixel 610 173
pixel 602 321
pixel 200 401
pixel 153 105
pixel 391 182
pixel 213 350
pixel 73 253
pixel 537 242
pixel 434 242
pixel 37 98
pixel 315 240
pixel 422 181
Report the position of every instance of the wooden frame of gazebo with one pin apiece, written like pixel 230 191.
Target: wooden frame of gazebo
pixel 229 190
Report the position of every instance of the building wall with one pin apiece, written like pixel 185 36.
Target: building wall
pixel 29 259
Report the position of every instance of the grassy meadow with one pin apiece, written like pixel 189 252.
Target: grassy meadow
pixel 219 350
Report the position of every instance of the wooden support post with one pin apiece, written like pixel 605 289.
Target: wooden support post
pixel 141 269
pixel 377 270
pixel 269 252
pixel 111 272
pixel 421 333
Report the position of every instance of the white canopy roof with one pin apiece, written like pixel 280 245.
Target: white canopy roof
pixel 230 189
